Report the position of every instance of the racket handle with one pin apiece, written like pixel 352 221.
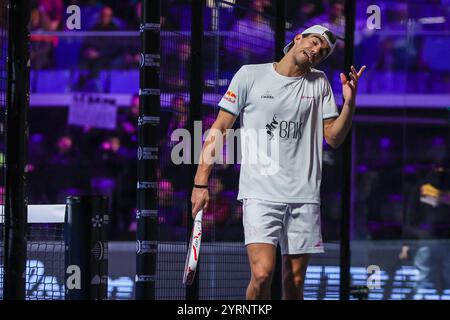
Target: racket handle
pixel 199 216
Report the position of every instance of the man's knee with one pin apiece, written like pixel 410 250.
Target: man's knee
pixel 294 278
pixel 262 277
pixel 298 281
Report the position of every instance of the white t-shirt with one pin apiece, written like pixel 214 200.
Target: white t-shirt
pixel 281 132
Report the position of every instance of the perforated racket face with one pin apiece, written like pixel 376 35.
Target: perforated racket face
pixel 194 250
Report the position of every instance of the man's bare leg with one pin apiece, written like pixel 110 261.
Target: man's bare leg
pixel 294 271
pixel 262 258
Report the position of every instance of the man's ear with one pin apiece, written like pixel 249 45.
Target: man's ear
pixel 298 38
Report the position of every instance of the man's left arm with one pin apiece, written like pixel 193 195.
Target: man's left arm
pixel 335 130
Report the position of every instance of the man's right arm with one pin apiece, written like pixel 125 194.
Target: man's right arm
pixel 200 196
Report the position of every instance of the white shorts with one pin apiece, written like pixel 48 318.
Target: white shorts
pixel 295 225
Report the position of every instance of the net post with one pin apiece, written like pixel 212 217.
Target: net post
pixel 86 251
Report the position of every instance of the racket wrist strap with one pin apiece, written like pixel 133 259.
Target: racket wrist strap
pixel 201 186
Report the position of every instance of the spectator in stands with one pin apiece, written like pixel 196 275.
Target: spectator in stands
pixel 65 152
pixel 102 52
pixel 51 12
pixel 396 53
pixel 427 227
pixel 127 123
pixel 132 45
pixel 303 13
pixel 108 179
pixel 135 20
pixel 106 21
pixel 179 109
pixel 221 206
pixel 171 214
pixel 177 15
pixel 251 40
pixel 178 119
pixel 37 150
pixel 334 19
pixel 176 70
pixel 178 174
pixel 63 181
pixel 172 221
pixel 131 57
pixel 37 162
pixel 42 46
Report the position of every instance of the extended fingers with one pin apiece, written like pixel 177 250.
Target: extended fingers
pixel 354 77
pixel 358 73
pixel 361 71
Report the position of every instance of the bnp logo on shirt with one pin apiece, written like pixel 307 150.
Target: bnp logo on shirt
pixel 267 95
pixel 286 129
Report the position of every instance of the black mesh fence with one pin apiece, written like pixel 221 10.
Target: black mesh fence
pixel 169 273
pixel 45 257
pixel 225 271
pixel 173 177
pixel 3 86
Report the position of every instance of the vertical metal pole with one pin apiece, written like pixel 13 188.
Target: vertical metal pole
pixel 196 102
pixel 148 137
pixel 280 29
pixel 18 94
pixel 280 39
pixel 345 254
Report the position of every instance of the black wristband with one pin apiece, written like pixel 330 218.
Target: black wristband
pixel 201 186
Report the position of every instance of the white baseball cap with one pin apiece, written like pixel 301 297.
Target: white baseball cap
pixel 321 30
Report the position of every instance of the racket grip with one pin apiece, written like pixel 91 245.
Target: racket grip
pixel 199 217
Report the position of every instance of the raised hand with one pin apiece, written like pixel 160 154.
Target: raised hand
pixel 349 86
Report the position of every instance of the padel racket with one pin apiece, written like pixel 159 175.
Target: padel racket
pixel 193 250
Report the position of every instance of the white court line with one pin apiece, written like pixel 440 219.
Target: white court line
pixel 42 213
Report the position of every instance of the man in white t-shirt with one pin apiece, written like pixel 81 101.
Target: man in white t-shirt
pixel 286 109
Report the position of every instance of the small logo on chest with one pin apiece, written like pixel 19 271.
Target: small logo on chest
pixel 267 95
pixel 270 127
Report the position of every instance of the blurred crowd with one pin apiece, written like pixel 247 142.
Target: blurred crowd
pixel 74 160
pixel 70 160
pixel 250 27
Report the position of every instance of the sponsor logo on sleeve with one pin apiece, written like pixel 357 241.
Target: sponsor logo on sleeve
pixel 230 96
